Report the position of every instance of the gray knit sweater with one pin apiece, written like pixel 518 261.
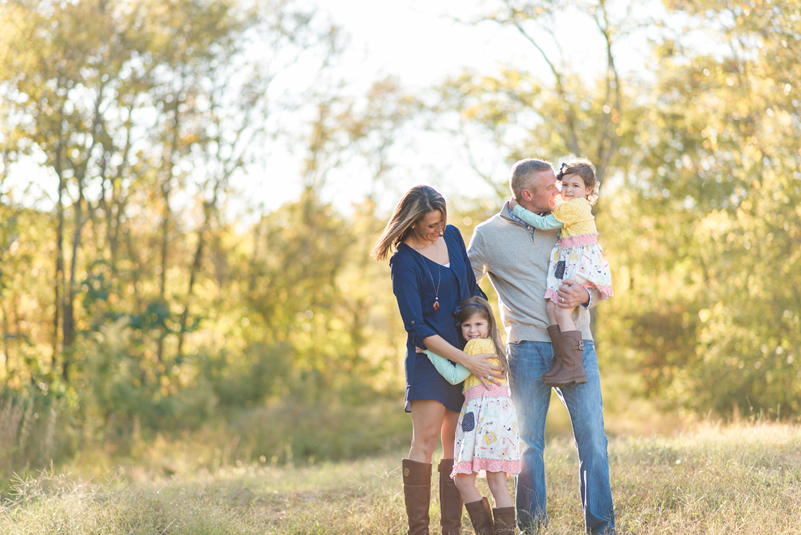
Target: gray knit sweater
pixel 516 256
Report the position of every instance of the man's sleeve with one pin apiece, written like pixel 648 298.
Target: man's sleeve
pixel 478 256
pixel 595 298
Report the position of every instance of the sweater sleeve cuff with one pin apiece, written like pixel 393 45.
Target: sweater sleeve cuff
pixel 589 301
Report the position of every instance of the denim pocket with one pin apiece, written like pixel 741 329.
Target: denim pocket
pixel 468 422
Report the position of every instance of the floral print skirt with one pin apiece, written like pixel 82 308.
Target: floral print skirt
pixel 487 436
pixel 585 263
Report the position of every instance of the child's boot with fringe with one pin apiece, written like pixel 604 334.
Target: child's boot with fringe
pixel 504 520
pixel 480 516
pixel 572 371
pixel 553 333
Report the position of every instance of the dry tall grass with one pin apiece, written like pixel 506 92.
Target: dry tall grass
pixel 27 428
pixel 713 479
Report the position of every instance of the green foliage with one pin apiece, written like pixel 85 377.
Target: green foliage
pixel 706 234
pixel 700 186
pixel 137 296
pixel 248 379
pixel 125 389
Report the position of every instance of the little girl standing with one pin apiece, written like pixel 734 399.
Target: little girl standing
pixel 486 434
pixel 577 256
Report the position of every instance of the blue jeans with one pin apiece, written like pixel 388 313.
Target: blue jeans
pixel 531 398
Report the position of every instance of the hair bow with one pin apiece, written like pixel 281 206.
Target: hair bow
pixel 457 311
pixel 561 172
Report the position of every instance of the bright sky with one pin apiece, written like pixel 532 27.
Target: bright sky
pixel 421 43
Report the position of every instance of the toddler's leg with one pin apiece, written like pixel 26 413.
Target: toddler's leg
pixel 496 481
pixel 564 317
pixel 551 308
pixel 504 511
pixel 477 506
pixel 466 483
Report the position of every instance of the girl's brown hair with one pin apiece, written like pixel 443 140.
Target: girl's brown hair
pixel 478 305
pixel 415 203
pixel 583 168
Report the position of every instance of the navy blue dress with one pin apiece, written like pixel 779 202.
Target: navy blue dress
pixel 412 283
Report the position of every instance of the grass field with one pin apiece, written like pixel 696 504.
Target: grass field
pixel 713 479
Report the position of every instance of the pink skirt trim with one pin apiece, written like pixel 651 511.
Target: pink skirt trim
pixel 577 241
pixel 481 391
pixel 488 465
pixel 605 290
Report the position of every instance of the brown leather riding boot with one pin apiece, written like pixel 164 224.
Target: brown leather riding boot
pixel 417 493
pixel 504 520
pixel 480 516
pixel 553 332
pixel 572 371
pixel 450 500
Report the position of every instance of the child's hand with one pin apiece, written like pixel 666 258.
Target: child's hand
pixel 512 203
pixel 418 350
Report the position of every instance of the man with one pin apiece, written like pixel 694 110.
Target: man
pixel 516 256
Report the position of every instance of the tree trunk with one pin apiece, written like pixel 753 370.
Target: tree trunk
pixel 201 240
pixel 72 288
pixel 165 227
pixel 59 275
pixel 6 348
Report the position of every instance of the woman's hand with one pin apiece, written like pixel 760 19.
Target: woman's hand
pixel 480 366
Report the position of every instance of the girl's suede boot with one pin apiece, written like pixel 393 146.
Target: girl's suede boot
pixel 553 333
pixel 450 500
pixel 480 516
pixel 504 520
pixel 572 371
pixel 417 494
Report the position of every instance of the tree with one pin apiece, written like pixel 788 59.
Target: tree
pixel 713 214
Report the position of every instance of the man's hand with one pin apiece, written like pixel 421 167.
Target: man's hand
pixel 572 294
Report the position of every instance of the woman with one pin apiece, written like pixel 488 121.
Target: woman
pixel 431 275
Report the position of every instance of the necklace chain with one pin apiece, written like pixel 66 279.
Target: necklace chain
pixel 439 276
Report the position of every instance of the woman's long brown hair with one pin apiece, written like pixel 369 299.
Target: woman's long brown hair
pixel 414 204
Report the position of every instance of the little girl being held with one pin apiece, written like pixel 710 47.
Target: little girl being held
pixel 486 434
pixel 577 256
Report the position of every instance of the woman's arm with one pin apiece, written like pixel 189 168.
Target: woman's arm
pixel 478 365
pixel 406 287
